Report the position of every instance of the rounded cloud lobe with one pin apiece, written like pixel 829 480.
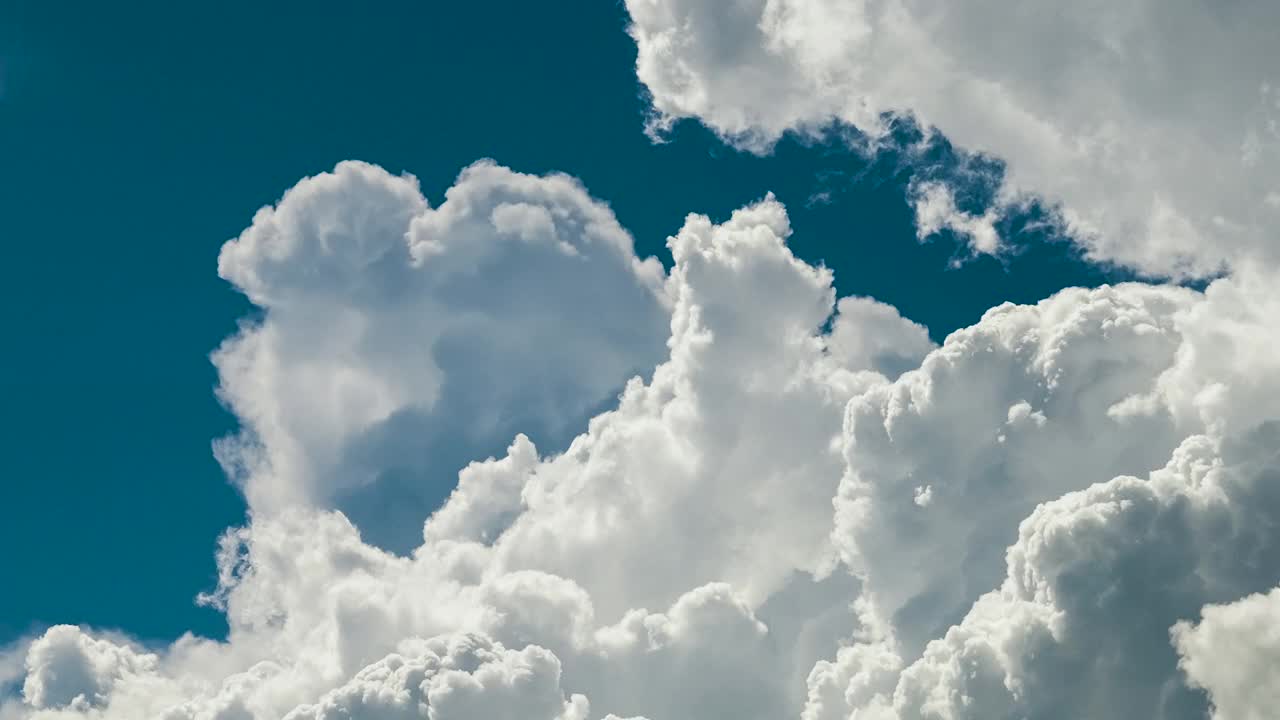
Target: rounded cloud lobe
pixel 461 677
pixel 397 342
pixel 66 668
pixel 1233 652
pixel 802 508
pixel 1155 126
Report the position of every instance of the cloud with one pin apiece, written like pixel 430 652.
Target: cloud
pixel 12 662
pixel 990 426
pixel 870 334
pixel 1013 594
pixel 806 509
pixel 396 342
pixel 1154 125
pixel 1096 579
pixel 1233 652
pixel 935 207
pixel 68 669
pixel 685 534
pixel 453 679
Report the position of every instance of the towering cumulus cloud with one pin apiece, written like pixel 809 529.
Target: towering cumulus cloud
pixel 1156 125
pixel 679 548
pixel 805 509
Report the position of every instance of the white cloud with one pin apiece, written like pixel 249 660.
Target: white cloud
pixel 13 662
pixel 1074 617
pixel 962 425
pixel 66 667
pixel 870 334
pixel 935 207
pixel 1154 124
pixel 456 678
pixel 398 342
pixel 1234 653
pixel 807 510
pixel 685 535
pixel 1096 579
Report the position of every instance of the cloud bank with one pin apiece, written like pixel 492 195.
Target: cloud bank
pixel 800 508
pixel 1154 126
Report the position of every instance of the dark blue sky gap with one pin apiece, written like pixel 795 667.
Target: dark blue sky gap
pixel 135 140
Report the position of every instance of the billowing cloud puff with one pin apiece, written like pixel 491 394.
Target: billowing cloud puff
pixel 1073 618
pixel 805 510
pixel 397 342
pixel 1095 580
pixel 1233 652
pixel 946 462
pixel 66 668
pixel 873 335
pixel 1155 125
pixel 455 678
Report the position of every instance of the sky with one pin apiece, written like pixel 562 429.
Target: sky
pixel 955 360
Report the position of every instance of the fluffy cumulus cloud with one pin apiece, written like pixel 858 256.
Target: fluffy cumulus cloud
pixel 945 463
pixel 66 668
pixel 518 304
pixel 803 508
pixel 676 558
pixel 1080 626
pixel 1233 651
pixel 1155 125
pixel 460 677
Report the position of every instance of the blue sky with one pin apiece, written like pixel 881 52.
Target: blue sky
pixel 137 139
